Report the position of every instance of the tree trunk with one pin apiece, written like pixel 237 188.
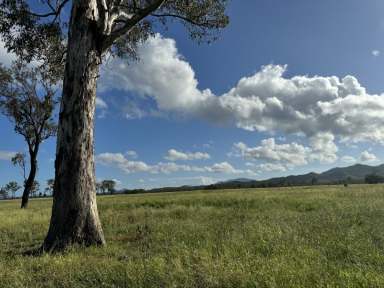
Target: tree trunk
pixel 75 219
pixel 30 181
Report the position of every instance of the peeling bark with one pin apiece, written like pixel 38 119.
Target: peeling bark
pixel 75 219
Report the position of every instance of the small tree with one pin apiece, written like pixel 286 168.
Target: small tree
pixel 35 190
pixel 374 179
pixel 12 187
pixel 50 186
pixel 108 186
pixel 3 193
pixel 27 98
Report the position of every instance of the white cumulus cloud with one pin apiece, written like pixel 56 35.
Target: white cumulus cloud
pixel 272 167
pixel 367 156
pixel 323 148
pixel 174 155
pixel 269 150
pixel 223 167
pixel 265 101
pixel 119 161
pixel 281 157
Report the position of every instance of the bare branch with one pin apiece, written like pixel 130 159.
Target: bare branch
pixel 55 10
pixel 186 19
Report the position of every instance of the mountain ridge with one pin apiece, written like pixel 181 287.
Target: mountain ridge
pixel 355 174
pixel 338 175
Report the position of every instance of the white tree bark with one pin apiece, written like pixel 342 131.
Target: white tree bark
pixel 75 217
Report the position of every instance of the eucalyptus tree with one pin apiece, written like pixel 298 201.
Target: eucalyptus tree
pixel 99 188
pixel 3 193
pixel 108 186
pixel 12 187
pixel 35 189
pixel 95 28
pixel 27 98
pixel 50 186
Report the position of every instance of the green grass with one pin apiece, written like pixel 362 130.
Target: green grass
pixel 289 237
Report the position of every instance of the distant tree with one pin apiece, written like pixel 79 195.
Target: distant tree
pixel 12 187
pixel 374 179
pixel 27 98
pixel 35 189
pixel 314 181
pixel 108 186
pixel 50 187
pixel 99 188
pixel 3 193
pixel 134 191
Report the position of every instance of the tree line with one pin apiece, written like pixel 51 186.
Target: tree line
pixel 9 190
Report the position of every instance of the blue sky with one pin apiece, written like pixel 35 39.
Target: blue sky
pixel 293 111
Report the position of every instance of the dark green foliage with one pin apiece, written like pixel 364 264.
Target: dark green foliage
pixel 109 186
pixel 32 39
pixel 106 186
pixel 42 30
pixel 202 18
pixel 30 110
pixel 4 193
pixel 374 179
pixel 12 187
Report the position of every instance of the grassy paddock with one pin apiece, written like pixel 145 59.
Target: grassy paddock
pixel 288 237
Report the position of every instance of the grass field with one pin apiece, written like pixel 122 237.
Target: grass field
pixel 288 237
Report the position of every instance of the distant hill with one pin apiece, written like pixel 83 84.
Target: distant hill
pixel 352 175
pixel 241 180
pixel 356 172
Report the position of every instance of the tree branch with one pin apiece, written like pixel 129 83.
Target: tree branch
pixel 55 12
pixel 182 18
pixel 130 23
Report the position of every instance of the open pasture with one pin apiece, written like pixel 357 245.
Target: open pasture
pixel 321 236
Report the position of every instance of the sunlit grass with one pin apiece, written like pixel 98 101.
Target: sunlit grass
pixel 327 236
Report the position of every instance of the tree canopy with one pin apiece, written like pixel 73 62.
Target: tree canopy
pixel 29 109
pixel 121 24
